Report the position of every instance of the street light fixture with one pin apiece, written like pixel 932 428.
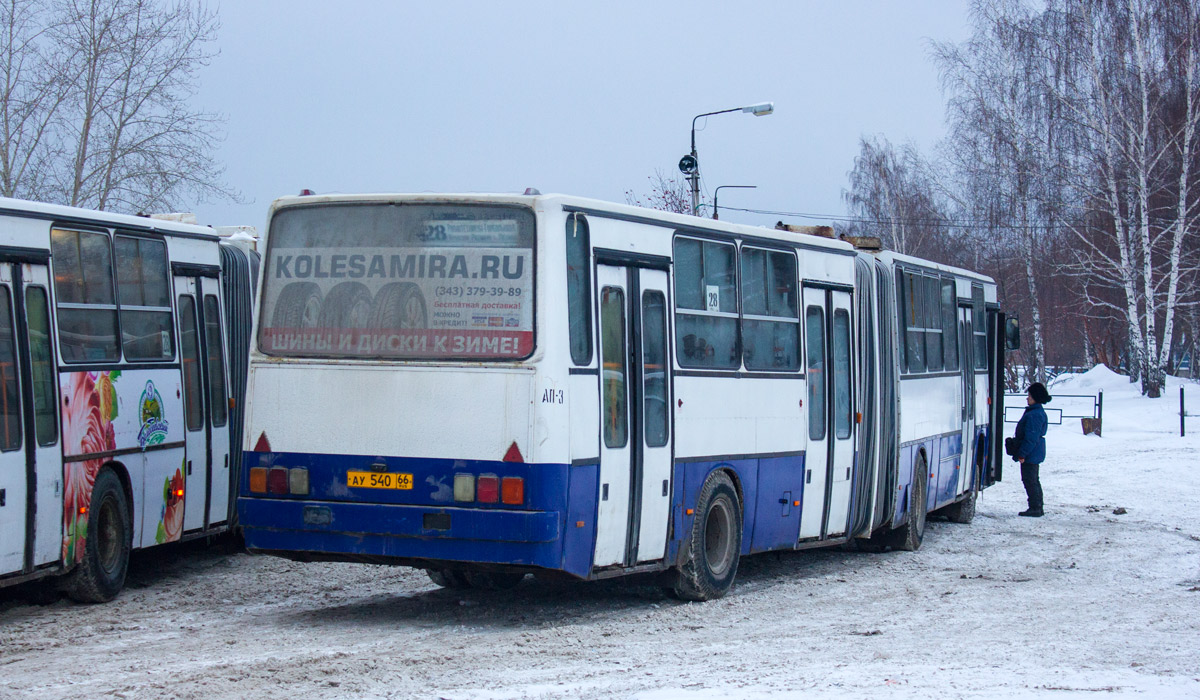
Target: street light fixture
pixel 690 166
pixel 718 191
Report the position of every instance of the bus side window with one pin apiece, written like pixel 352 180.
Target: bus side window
pixel 902 317
pixel 933 324
pixel 579 287
pixel 143 291
pixel 771 315
pixel 706 304
pixel 841 374
pixel 950 324
pixel 83 286
pixel 10 396
pixel 815 339
pixel 980 315
pixel 914 303
pixel 193 409
pixel 612 369
pixel 216 360
pixel 41 353
pixel 654 370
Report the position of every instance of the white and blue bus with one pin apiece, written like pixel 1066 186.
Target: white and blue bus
pixel 122 341
pixel 484 386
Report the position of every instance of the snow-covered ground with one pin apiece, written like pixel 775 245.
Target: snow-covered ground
pixel 1082 603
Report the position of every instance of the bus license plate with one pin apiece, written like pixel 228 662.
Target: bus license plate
pixel 376 480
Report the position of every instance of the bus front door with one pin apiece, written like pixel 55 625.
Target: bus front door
pixel 635 432
pixel 30 460
pixel 966 355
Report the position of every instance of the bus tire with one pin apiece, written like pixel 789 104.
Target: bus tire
pixel 448 578
pixel 962 512
pixel 908 536
pixel 712 549
pixel 298 306
pixel 399 305
pixel 348 305
pixel 101 574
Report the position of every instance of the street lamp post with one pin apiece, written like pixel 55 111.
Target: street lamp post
pixel 718 191
pixel 689 164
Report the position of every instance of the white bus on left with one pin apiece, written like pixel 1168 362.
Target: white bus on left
pixel 122 342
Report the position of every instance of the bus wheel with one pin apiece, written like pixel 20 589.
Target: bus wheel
pixel 711 551
pixel 448 578
pixel 494 580
pixel 962 512
pixel 399 305
pixel 101 574
pixel 908 536
pixel 348 305
pixel 299 306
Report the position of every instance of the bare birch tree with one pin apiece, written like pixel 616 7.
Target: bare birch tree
pixel 891 191
pixel 1133 98
pixel 30 95
pixel 97 103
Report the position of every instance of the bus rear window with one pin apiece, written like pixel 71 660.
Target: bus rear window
pixel 399 281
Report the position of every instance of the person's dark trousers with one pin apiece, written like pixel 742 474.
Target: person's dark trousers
pixel 1033 487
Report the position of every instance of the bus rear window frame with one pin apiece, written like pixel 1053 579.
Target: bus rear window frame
pixel 259 347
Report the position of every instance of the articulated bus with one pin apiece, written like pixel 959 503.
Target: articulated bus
pixel 116 425
pixel 484 386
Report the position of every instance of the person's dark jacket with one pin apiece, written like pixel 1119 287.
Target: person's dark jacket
pixel 1031 435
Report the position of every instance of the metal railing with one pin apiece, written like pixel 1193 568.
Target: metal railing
pixel 1065 406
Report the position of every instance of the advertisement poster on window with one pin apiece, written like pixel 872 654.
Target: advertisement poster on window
pixel 467 300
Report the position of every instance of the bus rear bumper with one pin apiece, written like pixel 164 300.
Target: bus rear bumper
pixel 401 533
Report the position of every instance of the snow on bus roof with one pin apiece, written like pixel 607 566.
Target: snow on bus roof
pixel 652 216
pixel 9 206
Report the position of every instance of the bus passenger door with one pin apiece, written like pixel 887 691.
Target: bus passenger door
pixel 612 520
pixel 654 417
pixel 829 458
pixel 842 415
pixel 816 457
pixel 196 473
pixel 16 483
pixel 966 355
pixel 216 383
pixel 635 447
pixel 30 460
pixel 37 353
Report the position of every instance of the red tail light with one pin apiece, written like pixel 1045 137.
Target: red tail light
pixel 277 481
pixel 487 488
pixel 512 490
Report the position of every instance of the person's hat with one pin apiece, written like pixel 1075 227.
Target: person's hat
pixel 1037 390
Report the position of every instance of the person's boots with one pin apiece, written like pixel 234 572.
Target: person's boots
pixel 1031 513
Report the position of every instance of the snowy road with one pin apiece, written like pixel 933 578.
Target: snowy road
pixel 1081 603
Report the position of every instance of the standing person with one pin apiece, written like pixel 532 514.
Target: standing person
pixel 1031 446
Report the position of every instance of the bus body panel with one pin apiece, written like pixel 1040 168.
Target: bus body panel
pixel 481 412
pixel 750 416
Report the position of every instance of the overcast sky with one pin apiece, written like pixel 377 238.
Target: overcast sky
pixel 579 98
